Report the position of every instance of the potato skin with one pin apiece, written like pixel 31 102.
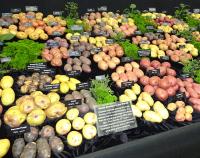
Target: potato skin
pixel 29 150
pixel 32 135
pixel 56 144
pixel 43 148
pixel 47 131
pixel 86 68
pixel 85 60
pixel 18 147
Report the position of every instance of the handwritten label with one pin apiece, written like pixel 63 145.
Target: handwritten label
pixel 36 66
pixel 102 8
pixel 5 60
pixel 114 117
pixel 53 23
pixel 152 9
pixel 181 46
pixel 174 32
pixel 73 73
pixel 164 58
pixel 31 8
pixel 56 33
pixel 52 43
pixel 159 31
pixel 27 24
pixel 48 71
pixel 83 85
pixel 100 77
pixel 137 32
pixel 74 102
pixel 109 41
pixel 75 37
pixel 150 27
pixel 76 28
pixel 184 76
pixel 144 53
pixel 6 14
pixel 15 10
pixel 180 96
pixel 87 34
pixel 144 42
pixel 196 10
pixel 74 53
pixel 90 10
pixel 96 50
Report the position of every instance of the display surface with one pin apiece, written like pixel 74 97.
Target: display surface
pixel 72 85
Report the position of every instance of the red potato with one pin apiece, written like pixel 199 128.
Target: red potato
pixel 149 89
pixel 175 58
pixel 180 82
pixel 169 52
pixel 172 80
pixel 145 63
pixel 196 87
pixel 192 93
pixel 144 80
pixel 138 72
pixel 176 87
pixel 123 77
pixel 156 64
pixel 164 83
pixel 194 101
pixel 166 64
pixel 197 107
pixel 163 70
pixel 190 80
pixel 171 72
pixel 187 84
pixel 161 94
pixel 154 81
pixel 182 89
pixel 171 92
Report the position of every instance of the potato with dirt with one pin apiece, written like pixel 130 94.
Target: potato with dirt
pixel 47 131
pixel 43 148
pixel 29 150
pixel 56 144
pixel 18 147
pixel 32 135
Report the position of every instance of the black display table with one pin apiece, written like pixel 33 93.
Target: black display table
pixel 178 143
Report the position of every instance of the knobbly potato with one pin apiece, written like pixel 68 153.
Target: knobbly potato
pixel 56 144
pixel 29 150
pixel 18 147
pixel 43 148
pixel 32 135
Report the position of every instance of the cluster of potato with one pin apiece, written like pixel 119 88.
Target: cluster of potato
pixel 128 72
pixel 151 111
pixel 38 143
pixel 108 24
pixel 29 84
pixel 88 102
pixel 7 21
pixel 183 112
pixel 55 51
pixel 196 34
pixel 164 67
pixel 109 57
pixel 37 105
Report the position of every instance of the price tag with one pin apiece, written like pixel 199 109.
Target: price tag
pixel 53 23
pixel 87 34
pixel 53 43
pixel 184 76
pixel 144 53
pixel 96 50
pixel 154 72
pixel 102 9
pixel 15 10
pixel 5 60
pixel 74 102
pixel 75 37
pixel 27 24
pixel 57 13
pixel 101 33
pixel 127 84
pixel 150 27
pixel 126 59
pixel 76 28
pixel 138 33
pixel 31 8
pixel 164 58
pixel 193 29
pixel 180 96
pixel 164 12
pixel 73 73
pixel 83 85
pixel 6 14
pixel 4 23
pixel 114 117
pixel 90 10
pixel 30 16
pixel 160 36
pixel 48 71
pixel 181 46
pixel 56 33
pixel 144 42
pixel 173 32
pixel 109 41
pixel 36 66
pixel 196 10
pixel 100 77
pixel 48 87
pixel 159 31
pixel 165 24
pixel 74 53
pixel 17 131
pixel 152 9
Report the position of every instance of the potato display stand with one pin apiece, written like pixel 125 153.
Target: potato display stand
pixel 99 79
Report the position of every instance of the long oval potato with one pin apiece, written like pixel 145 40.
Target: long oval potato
pixel 29 150
pixel 43 148
pixel 18 147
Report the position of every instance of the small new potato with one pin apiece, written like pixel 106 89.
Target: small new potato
pixel 189 109
pixel 180 104
pixel 171 106
pixel 90 118
pixel 78 123
pixel 72 114
pixel 63 126
pixel 89 132
pixel 74 138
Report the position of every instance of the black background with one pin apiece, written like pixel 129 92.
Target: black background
pixel 48 6
pixel 178 143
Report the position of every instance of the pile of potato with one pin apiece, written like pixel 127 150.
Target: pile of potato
pixel 164 67
pixel 196 34
pixel 29 84
pixel 38 143
pixel 128 29
pixel 88 102
pixel 183 112
pixel 128 72
pixel 83 127
pixel 151 111
pixel 55 51
pixel 109 57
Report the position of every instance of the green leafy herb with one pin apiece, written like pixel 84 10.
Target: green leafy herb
pixel 102 92
pixel 21 53
pixel 182 12
pixel 140 21
pixel 6 37
pixel 72 10
pixel 130 49
pixel 192 67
